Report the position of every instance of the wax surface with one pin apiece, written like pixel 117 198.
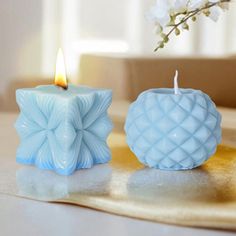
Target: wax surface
pixel 173 132
pixel 72 90
pixel 63 130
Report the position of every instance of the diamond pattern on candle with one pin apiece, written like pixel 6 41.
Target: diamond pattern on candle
pixel 175 132
pixel 63 134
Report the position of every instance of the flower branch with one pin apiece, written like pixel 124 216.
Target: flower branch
pixel 179 12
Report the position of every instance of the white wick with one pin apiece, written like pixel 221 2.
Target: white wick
pixel 176 87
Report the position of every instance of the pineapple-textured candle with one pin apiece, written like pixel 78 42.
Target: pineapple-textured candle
pixel 173 129
pixel 63 128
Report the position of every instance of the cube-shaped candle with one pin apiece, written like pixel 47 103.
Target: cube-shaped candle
pixel 63 130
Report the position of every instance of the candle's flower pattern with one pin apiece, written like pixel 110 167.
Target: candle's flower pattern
pixel 169 15
pixel 173 132
pixel 63 134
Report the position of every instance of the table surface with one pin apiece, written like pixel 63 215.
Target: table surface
pixel 20 216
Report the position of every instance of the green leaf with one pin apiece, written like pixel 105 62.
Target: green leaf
pixel 206 13
pixel 185 26
pixel 163 35
pixel 166 39
pixel 172 20
pixel 161 44
pixel 177 32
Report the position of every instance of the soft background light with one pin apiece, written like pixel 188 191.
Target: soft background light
pixel 32 31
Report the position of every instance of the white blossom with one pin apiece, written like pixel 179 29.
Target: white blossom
pixel 162 11
pixel 215 13
pixel 196 4
pixel 177 13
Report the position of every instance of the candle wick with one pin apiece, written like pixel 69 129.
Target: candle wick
pixel 176 87
pixel 62 87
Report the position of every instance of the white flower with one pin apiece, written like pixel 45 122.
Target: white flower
pixel 179 5
pixel 196 4
pixel 215 13
pixel 174 13
pixel 160 13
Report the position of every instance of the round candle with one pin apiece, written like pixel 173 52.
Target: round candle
pixel 173 129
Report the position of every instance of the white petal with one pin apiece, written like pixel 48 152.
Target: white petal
pixel 180 5
pixel 195 4
pixel 215 13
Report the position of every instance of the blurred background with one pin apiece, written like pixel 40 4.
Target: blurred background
pixel 33 30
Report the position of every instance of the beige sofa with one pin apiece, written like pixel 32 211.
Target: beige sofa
pixel 128 76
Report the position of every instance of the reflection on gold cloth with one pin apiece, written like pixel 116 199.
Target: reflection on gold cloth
pixel 203 197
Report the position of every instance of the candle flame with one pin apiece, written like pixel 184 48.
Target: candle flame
pixel 60 76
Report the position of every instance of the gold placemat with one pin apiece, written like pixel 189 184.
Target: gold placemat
pixel 203 197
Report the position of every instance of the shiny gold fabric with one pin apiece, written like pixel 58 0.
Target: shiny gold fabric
pixel 203 197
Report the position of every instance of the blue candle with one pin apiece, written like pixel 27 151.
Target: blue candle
pixel 173 129
pixel 63 129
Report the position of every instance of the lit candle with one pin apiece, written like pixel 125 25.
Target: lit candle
pixel 63 127
pixel 173 129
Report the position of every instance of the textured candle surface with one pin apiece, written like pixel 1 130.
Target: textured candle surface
pixel 173 132
pixel 63 130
